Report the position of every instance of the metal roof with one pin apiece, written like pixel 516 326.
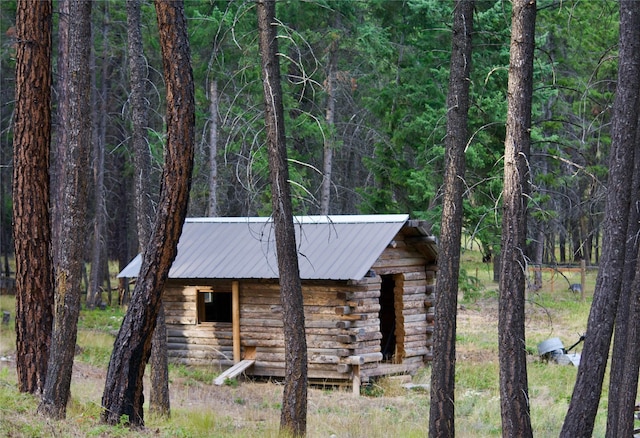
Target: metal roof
pixel 329 247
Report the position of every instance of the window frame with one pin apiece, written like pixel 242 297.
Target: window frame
pixel 201 306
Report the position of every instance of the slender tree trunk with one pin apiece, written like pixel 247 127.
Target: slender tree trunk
pixel 94 297
pixel 61 139
pixel 74 179
pixel 213 148
pixel 293 418
pixel 330 115
pixel 31 225
pixel 514 399
pixel 123 392
pixel 139 115
pixel 583 407
pixel 442 409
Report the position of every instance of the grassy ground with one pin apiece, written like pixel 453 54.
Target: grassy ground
pixel 252 408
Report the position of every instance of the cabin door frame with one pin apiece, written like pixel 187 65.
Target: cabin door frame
pixel 391 344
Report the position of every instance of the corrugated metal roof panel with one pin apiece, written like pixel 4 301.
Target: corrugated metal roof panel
pixel 329 247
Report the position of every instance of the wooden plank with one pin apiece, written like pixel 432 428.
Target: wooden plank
pixel 179 306
pixel 415 352
pixel 369 336
pixel 417 304
pixel 188 348
pixel 355 317
pixel 362 295
pixel 346 339
pixel 200 331
pixel 198 341
pixel 183 320
pixel 234 371
pixel 415 275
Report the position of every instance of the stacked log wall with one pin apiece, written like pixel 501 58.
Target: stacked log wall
pixel 333 321
pixel 191 343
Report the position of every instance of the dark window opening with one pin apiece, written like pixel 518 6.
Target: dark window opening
pixel 214 307
pixel 387 318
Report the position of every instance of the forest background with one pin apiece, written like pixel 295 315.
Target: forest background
pixel 365 87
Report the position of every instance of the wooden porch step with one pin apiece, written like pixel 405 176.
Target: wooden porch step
pixel 234 371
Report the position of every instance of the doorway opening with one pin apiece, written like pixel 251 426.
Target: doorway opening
pixel 388 318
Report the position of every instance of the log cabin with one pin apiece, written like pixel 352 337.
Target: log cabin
pixel 367 284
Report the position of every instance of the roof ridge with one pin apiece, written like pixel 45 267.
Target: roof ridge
pixel 354 218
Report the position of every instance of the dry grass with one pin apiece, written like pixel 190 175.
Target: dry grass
pixel 252 408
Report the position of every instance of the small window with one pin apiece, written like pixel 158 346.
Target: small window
pixel 214 306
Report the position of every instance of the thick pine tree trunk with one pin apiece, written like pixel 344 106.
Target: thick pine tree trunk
pixel 625 360
pixel 31 225
pixel 514 400
pixel 293 418
pixel 73 183
pixel 123 392
pixel 159 392
pixel 583 407
pixel 442 409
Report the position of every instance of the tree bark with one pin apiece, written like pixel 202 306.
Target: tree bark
pixel 514 400
pixel 293 418
pixel 442 408
pixel 31 224
pixel 330 115
pixel 213 148
pixel 159 402
pixel 139 118
pixel 123 392
pixel 98 262
pixel 583 407
pixel 73 183
pixel 625 360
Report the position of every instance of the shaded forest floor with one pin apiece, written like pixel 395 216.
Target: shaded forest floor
pixel 251 408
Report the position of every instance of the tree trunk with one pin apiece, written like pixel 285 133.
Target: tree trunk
pixel 213 148
pixel 442 409
pixel 74 179
pixel 31 226
pixel 293 418
pixel 159 391
pixel 330 115
pixel 583 407
pixel 625 360
pixel 139 116
pixel 159 402
pixel 94 297
pixel 59 143
pixel 123 392
pixel 514 400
